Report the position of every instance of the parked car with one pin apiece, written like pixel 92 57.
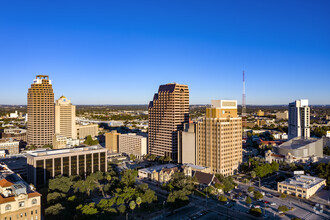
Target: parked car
pixel 273 203
pixel 266 202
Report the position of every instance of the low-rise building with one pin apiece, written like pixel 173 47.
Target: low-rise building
pixel 132 144
pixel 61 142
pixel 301 186
pixel 205 179
pixel 282 115
pixel 10 146
pixel 18 200
pixel 45 164
pixel 85 130
pixel 160 173
pixel 260 113
pixel 190 169
pixel 14 133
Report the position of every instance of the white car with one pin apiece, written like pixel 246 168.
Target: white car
pixel 273 203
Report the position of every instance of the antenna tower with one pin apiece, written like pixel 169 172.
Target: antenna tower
pixel 243 97
pixel 243 104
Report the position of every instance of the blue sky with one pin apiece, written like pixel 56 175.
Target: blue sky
pixel 119 52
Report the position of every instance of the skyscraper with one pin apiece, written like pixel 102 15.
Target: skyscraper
pixel 65 118
pixel 219 138
pixel 167 113
pixel 299 119
pixel 40 108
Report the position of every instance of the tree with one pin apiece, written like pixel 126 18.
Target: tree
pixel 132 157
pixel 283 196
pixel 255 211
pixel 128 177
pixel 54 197
pixel 258 195
pixel 138 201
pixel 122 209
pixel 222 198
pixel 89 141
pixel 149 196
pixel 251 188
pixel 54 209
pixel 283 208
pixel 132 205
pixel 248 200
pixel 253 174
pixel 167 159
pixel 88 209
pixel 60 183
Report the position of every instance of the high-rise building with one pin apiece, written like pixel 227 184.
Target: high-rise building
pixel 132 144
pixel 167 113
pixel 187 144
pixel 40 108
pixel 65 118
pixel 219 138
pixel 299 119
pixel 111 141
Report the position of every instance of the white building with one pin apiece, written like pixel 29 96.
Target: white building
pixel 132 144
pixel 299 119
pixel 13 115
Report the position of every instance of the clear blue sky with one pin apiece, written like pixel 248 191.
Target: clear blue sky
pixel 119 52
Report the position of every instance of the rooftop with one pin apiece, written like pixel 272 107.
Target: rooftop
pixel 297 142
pixel 303 181
pixel 46 152
pixel 158 168
pixel 194 166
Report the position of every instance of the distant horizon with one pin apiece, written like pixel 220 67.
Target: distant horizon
pixel 238 105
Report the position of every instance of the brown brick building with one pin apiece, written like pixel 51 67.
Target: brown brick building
pixel 167 113
pixel 40 109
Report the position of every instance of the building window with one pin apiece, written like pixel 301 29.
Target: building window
pixel 34 201
pixel 21 204
pixel 8 207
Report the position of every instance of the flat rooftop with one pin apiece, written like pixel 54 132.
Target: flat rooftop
pixel 46 152
pixel 298 142
pixel 194 166
pixel 303 181
pixel 158 168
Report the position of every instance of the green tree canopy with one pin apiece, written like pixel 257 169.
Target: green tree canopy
pixel 248 200
pixel 222 198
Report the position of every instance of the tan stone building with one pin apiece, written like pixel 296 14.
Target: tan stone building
pixel 187 144
pixel 301 186
pixel 40 109
pixel 111 141
pixel 45 164
pixel 260 113
pixel 17 199
pixel 161 173
pixel 219 138
pixel 65 118
pixel 167 113
pixel 84 130
pixel 10 146
pixel 132 144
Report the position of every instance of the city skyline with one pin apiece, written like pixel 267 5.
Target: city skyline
pixel 96 54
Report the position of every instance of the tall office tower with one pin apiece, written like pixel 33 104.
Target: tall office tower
pixel 167 113
pixel 219 138
pixel 299 119
pixel 112 141
pixel 40 108
pixel 65 118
